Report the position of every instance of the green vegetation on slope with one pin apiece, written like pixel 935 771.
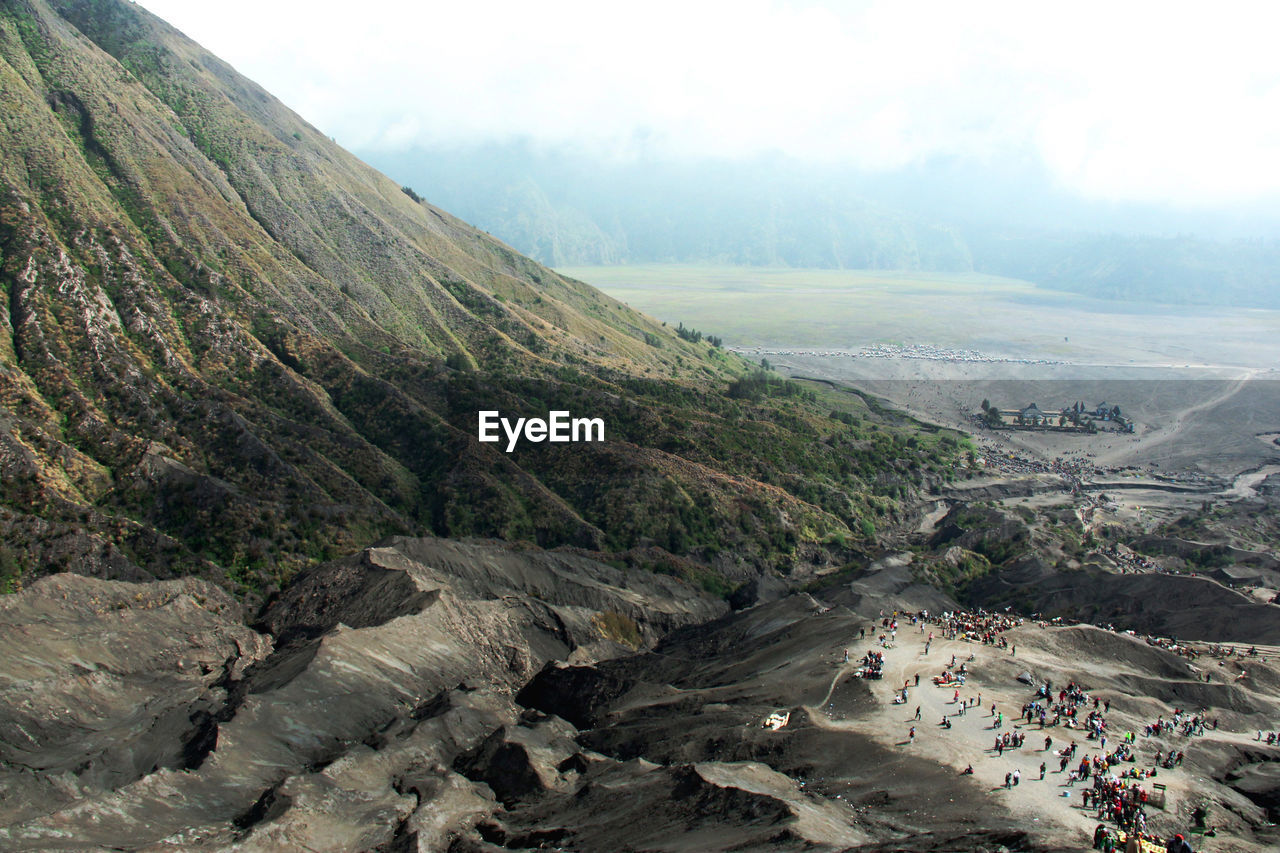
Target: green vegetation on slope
pixel 232 349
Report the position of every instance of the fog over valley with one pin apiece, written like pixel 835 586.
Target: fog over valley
pixel 1119 153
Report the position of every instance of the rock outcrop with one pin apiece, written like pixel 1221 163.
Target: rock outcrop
pixel 150 712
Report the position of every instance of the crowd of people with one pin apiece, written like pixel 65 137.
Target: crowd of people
pixel 1129 560
pixel 1118 794
pixel 872 665
pixel 1220 651
pixel 1171 645
pixel 1224 654
pixel 1113 841
pixel 1122 801
pixel 1049 709
pixel 1189 725
pixel 977 626
pixel 1076 470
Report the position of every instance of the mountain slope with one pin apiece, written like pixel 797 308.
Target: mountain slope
pixel 232 349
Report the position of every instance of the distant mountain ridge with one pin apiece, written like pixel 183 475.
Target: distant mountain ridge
pixel 564 214
pixel 569 208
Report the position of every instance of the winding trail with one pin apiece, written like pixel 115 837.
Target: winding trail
pixel 1176 424
pixel 835 680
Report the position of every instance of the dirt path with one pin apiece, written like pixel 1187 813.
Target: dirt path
pixel 1176 425
pixel 1246 484
pixel 844 670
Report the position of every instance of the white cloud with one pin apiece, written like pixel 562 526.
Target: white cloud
pixel 1151 101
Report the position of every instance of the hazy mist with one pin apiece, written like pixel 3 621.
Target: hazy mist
pixel 1139 102
pixel 1118 151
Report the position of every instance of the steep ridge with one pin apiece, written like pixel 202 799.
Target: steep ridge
pixel 134 712
pixel 233 349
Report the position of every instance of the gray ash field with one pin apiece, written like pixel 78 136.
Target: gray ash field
pixel 431 695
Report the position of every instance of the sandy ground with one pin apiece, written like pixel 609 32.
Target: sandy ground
pixel 1051 803
pixel 1214 420
pixel 1213 428
pixel 848 310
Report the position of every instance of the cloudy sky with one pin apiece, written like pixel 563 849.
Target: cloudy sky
pixel 1150 102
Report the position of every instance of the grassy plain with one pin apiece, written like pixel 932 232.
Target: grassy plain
pixel 848 309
